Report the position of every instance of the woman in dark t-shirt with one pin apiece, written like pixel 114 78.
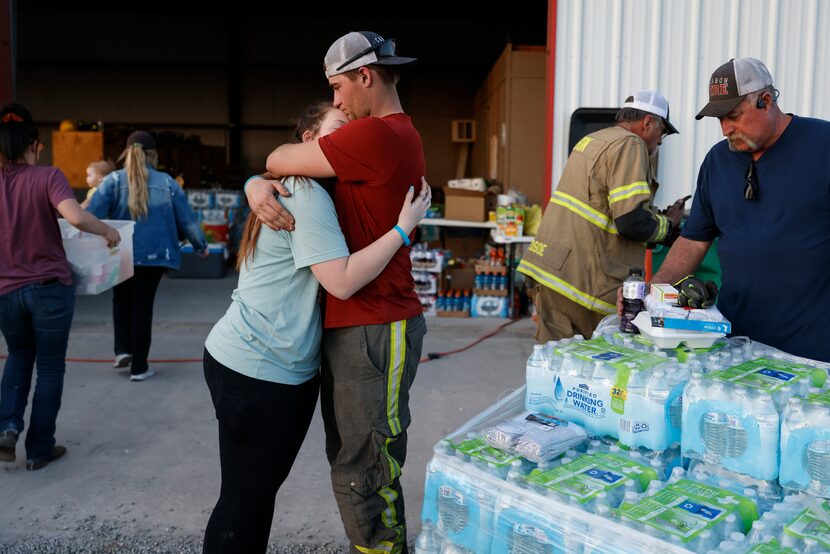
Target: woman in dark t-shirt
pixel 37 299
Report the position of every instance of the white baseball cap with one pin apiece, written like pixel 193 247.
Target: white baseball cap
pixel 360 48
pixel 652 102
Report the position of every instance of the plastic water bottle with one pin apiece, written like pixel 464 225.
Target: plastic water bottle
pixel 538 361
pixel 453 515
pixel 539 379
pixel 634 293
pixel 428 541
pixel 465 302
pixel 714 435
pixel 766 416
pixel 656 411
pixel 818 465
pixel 440 302
pixel 736 437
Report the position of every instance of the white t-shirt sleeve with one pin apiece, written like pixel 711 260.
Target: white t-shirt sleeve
pixel 316 237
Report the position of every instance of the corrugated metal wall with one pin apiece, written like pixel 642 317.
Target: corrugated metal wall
pixel 605 49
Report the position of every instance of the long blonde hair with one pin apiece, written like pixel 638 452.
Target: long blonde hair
pixel 135 164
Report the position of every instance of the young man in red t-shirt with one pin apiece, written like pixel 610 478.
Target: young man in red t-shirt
pixel 372 341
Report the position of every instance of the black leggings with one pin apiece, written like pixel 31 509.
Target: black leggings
pixel 261 428
pixel 132 314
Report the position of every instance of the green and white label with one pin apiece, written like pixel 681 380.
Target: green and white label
pixel 822 398
pixel 769 375
pixel 479 449
pixel 687 508
pixel 587 476
pixel 772 546
pixel 807 525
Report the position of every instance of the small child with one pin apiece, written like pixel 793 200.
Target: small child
pixel 95 173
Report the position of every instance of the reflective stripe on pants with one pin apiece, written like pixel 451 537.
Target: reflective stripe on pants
pixel 366 374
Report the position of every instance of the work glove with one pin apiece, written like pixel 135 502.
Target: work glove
pixel 694 293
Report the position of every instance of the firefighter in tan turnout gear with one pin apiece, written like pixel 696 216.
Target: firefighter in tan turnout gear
pixel 599 220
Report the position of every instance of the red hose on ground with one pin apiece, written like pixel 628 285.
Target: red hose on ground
pixel 109 360
pixel 436 355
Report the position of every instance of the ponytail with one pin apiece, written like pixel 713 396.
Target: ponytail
pixel 135 164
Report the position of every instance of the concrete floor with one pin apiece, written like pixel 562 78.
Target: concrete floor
pixel 144 456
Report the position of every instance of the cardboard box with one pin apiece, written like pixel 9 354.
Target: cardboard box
pixel 460 278
pixel 664 293
pixel 465 245
pixel 467 205
pixel 73 151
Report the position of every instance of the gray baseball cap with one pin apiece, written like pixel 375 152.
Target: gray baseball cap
pixel 360 48
pixel 731 82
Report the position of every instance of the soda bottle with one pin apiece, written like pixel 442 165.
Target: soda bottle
pixel 634 293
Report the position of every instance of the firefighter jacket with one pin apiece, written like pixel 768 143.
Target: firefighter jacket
pixel 579 251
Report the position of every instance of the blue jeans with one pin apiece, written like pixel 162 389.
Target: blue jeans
pixel 35 321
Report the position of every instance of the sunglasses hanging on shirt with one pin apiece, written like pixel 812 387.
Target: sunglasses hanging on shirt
pixel 751 187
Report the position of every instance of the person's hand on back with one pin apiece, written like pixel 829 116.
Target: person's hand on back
pixel 414 210
pixel 260 194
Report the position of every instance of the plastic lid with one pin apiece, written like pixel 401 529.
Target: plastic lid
pixel 635 271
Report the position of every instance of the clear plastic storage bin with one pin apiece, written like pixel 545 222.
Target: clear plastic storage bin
pixel 96 267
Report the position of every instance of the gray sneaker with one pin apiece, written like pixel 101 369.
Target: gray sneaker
pixel 143 376
pixel 8 441
pixel 122 360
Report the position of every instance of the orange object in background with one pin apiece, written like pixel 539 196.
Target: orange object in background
pixel 67 125
pixel 73 151
pixel 647 265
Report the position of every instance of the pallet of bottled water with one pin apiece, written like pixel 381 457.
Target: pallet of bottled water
pixel 733 415
pixel 612 385
pixel 800 524
pixel 514 481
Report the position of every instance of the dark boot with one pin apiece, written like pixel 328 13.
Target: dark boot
pixel 57 452
pixel 8 440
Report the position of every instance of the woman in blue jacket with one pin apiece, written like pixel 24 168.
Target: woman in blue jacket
pixel 159 208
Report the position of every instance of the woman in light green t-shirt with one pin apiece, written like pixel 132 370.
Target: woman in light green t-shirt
pixel 261 359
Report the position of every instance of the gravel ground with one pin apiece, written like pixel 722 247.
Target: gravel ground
pixel 93 536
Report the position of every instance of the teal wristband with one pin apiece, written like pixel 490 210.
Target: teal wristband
pixel 404 236
pixel 245 186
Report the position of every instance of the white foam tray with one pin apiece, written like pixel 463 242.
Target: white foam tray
pixel 672 338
